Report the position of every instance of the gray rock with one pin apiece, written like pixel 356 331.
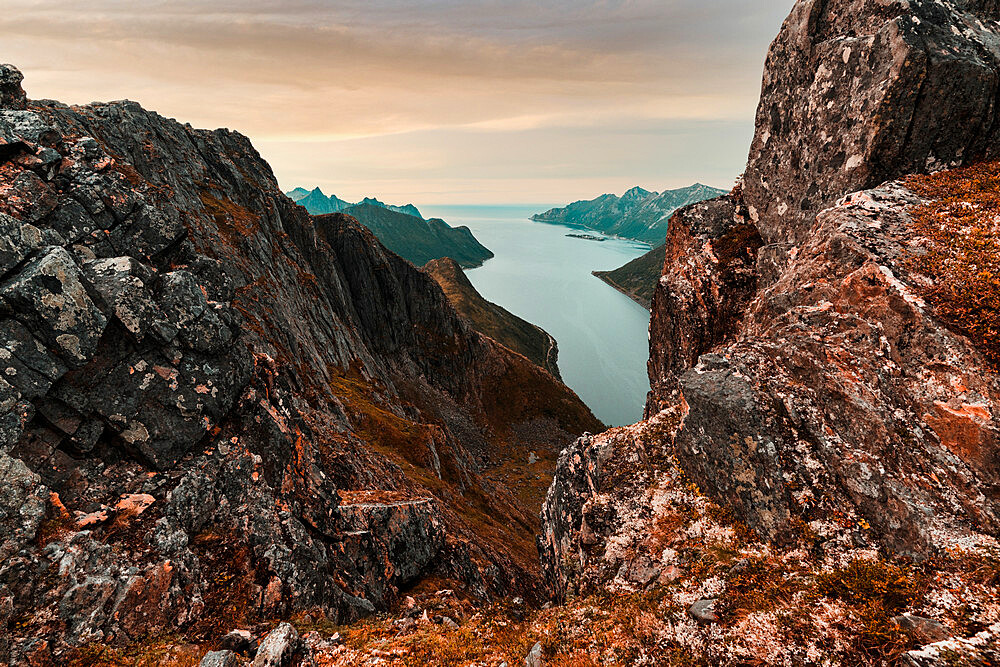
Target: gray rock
pixel 925 630
pixel 222 658
pixel 17 242
pixel 534 657
pixel 981 649
pixel 22 505
pixel 278 647
pixel 122 283
pixel 84 608
pixel 25 363
pixel 703 611
pixel 857 93
pixel 777 415
pixel 49 294
pixel 28 127
pixel 406 536
pixel 238 641
pixel 641 572
pixel 11 94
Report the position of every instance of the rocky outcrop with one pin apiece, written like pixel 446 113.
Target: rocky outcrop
pixel 11 93
pixel 804 381
pixel 711 275
pixel 857 93
pixel 197 379
pixel 807 364
pixel 981 649
pixel 629 539
pixel 843 394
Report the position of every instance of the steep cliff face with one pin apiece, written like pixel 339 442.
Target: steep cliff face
pixel 773 301
pixel 822 366
pixel 836 432
pixel 217 409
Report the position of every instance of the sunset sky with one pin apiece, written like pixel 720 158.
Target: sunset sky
pixel 428 101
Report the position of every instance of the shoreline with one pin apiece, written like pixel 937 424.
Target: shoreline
pixel 604 277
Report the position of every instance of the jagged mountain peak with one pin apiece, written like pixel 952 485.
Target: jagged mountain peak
pixel 636 193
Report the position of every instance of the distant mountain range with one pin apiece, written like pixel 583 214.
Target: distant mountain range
pixel 317 203
pixel 638 214
pixel 401 229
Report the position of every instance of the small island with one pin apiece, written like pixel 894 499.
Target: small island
pixel 588 237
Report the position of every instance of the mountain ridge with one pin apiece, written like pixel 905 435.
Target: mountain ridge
pixel 639 214
pixel 318 203
pixel 420 241
pixel 402 229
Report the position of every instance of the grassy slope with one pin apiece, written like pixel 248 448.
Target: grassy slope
pixel 638 278
pixel 490 319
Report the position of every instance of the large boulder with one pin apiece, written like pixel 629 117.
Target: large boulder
pixel 11 94
pixel 859 92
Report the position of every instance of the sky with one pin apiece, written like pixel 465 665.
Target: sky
pixel 427 101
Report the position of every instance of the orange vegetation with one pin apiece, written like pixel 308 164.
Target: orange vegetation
pixel 960 223
pixel 233 220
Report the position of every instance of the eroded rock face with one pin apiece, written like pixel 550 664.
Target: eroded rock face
pixel 840 394
pixel 813 379
pixel 194 372
pixel 858 92
pixel 709 278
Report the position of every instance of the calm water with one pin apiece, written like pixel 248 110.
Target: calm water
pixel 544 276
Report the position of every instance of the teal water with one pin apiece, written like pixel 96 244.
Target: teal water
pixel 544 276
